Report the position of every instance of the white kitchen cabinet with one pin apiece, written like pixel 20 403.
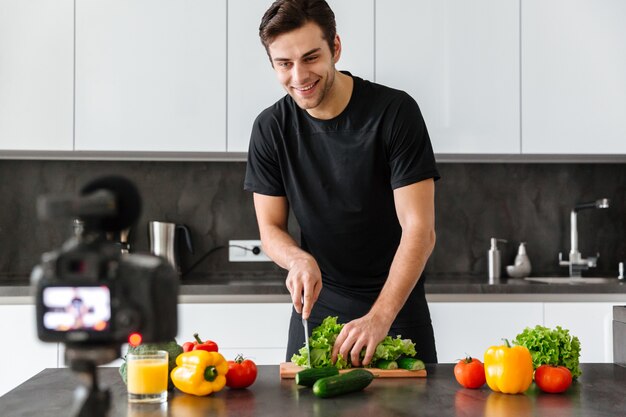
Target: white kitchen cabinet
pixel 592 323
pixel 36 74
pixel 460 61
pixel 151 75
pixel 355 27
pixel 22 355
pixel 573 77
pixel 471 328
pixel 257 331
pixel 252 85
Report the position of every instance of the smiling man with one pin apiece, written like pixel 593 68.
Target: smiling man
pixel 354 162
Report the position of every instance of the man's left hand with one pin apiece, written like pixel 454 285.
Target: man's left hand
pixel 366 332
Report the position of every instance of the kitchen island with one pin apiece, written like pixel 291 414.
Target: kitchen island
pixel 600 391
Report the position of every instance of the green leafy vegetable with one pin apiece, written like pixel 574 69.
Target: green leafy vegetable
pixel 323 338
pixel 551 347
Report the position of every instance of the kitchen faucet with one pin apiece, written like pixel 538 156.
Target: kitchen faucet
pixel 576 262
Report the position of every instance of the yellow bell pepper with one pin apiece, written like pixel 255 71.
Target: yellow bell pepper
pixel 508 369
pixel 200 372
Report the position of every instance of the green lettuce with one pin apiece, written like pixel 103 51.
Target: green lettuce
pixel 551 347
pixel 323 338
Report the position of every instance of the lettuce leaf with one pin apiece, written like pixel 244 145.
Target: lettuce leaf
pixel 323 338
pixel 551 347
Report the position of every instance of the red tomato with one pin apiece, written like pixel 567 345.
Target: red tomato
pixel 241 373
pixel 553 379
pixel 470 373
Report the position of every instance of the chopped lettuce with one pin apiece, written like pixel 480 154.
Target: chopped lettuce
pixel 323 338
pixel 551 347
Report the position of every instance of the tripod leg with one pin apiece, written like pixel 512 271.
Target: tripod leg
pixel 89 399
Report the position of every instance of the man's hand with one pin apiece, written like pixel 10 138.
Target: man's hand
pixel 304 282
pixel 366 332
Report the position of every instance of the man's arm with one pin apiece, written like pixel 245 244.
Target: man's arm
pixel 415 207
pixel 304 280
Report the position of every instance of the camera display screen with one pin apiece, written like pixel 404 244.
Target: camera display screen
pixel 77 308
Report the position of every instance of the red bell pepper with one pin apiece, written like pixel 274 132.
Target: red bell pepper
pixel 198 344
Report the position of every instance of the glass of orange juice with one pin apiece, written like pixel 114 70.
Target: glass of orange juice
pixel 147 377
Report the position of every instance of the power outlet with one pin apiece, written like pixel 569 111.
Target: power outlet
pixel 242 251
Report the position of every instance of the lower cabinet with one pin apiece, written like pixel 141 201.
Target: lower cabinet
pixel 463 329
pixel 592 323
pixel 258 331
pixel 22 355
pixel 470 328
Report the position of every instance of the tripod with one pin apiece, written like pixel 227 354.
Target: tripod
pixel 89 399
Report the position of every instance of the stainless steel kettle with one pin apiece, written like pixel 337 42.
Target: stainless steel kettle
pixel 164 238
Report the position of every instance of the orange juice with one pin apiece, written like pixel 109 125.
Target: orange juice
pixel 147 375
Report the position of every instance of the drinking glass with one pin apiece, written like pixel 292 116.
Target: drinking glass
pixel 147 375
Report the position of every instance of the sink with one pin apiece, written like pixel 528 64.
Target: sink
pixel 574 281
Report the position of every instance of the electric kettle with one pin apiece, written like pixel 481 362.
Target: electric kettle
pixel 164 238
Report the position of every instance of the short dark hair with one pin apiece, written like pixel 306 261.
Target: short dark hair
pixel 286 15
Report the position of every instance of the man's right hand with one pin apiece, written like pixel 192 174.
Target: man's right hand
pixel 304 282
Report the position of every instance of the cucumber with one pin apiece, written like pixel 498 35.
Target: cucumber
pixel 308 377
pixel 351 381
pixel 411 364
pixel 383 364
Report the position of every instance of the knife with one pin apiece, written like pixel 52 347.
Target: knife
pixel 305 323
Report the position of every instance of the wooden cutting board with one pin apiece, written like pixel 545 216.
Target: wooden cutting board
pixel 288 370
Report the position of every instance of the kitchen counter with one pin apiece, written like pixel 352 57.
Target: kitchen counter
pixel 600 391
pixel 270 287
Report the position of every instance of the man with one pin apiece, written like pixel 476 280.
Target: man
pixel 354 162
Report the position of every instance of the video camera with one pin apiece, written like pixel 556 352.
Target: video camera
pixel 90 295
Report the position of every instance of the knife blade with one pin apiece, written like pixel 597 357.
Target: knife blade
pixel 305 324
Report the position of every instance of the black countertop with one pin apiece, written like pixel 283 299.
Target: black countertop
pixel 273 284
pixel 600 391
pixel 434 284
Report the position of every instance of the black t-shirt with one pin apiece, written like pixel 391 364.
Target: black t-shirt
pixel 339 175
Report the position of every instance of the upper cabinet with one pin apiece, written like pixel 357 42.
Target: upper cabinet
pixel 36 74
pixel 492 77
pixel 355 27
pixel 574 76
pixel 252 85
pixel 151 75
pixel 460 61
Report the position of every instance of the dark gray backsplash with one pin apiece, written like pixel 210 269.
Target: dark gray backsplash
pixel 517 202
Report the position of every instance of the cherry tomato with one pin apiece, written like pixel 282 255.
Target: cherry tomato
pixel 553 379
pixel 241 373
pixel 470 373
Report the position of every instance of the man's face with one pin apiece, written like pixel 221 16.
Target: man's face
pixel 305 65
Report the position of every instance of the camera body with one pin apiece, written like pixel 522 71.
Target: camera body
pixel 91 296
pixel 88 293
